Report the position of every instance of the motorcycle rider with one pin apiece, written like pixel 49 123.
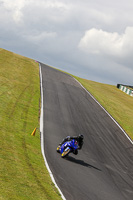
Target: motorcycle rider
pixel 79 140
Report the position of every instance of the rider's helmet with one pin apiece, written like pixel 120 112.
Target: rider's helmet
pixel 81 137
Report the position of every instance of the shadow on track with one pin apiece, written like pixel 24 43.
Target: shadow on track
pixel 81 162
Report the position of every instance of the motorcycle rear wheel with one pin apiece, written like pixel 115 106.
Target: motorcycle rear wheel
pixel 65 153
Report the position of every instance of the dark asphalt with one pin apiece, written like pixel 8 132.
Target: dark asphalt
pixel 103 169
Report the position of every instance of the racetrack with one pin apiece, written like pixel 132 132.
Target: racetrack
pixel 103 169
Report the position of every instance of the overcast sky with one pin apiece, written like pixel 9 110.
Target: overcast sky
pixel 92 39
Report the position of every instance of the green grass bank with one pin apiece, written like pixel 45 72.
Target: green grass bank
pixel 23 174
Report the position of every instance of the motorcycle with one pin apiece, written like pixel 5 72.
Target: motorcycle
pixel 67 147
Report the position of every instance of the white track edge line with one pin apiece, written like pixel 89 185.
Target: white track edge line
pixel 105 111
pixel 42 138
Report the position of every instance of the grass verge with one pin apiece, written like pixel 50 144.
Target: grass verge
pixel 23 173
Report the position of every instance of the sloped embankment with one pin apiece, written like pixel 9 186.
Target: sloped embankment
pixel 23 173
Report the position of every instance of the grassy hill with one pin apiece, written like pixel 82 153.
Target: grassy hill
pixel 23 173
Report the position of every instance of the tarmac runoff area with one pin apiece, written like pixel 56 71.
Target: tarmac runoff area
pixel 103 169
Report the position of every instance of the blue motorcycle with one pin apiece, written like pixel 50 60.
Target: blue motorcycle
pixel 67 147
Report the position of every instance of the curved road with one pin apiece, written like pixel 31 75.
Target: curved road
pixel 103 169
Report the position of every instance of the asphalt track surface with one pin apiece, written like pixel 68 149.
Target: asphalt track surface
pixel 103 169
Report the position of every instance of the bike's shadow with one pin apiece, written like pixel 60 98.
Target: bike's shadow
pixel 81 162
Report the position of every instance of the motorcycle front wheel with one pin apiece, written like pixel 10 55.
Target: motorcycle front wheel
pixel 58 149
pixel 65 153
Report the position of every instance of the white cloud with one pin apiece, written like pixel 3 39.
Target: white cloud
pixel 14 7
pixel 106 43
pixel 14 4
